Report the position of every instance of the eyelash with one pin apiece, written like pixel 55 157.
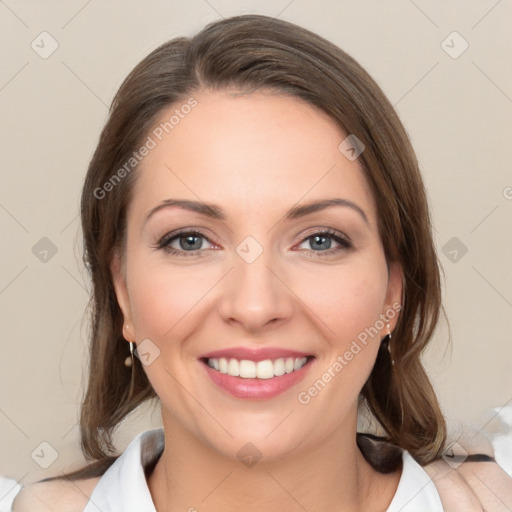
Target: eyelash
pixel 164 242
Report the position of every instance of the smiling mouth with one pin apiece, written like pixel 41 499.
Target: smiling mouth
pixel 266 369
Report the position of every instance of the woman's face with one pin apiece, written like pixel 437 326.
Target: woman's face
pixel 252 246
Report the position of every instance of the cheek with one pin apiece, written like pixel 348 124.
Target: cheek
pixel 347 300
pixel 165 299
pixel 352 328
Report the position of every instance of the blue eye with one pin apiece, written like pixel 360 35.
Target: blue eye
pixel 191 242
pixel 323 241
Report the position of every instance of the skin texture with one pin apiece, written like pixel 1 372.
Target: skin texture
pixel 256 156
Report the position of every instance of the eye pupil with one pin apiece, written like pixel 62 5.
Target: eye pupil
pixel 321 242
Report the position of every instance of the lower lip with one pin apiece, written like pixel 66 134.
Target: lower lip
pixel 257 388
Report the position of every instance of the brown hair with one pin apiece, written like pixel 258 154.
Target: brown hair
pixel 248 53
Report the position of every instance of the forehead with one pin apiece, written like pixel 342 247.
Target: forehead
pixel 251 152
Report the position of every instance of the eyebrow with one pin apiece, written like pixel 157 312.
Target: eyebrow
pixel 215 212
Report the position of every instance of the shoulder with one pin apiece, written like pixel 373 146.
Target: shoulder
pixel 475 484
pixel 55 496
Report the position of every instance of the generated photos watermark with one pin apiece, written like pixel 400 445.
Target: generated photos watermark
pixel 151 142
pixel 342 360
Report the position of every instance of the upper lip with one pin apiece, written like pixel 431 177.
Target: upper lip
pixel 253 354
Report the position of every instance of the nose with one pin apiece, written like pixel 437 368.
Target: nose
pixel 255 295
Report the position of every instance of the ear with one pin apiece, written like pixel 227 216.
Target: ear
pixel 393 302
pixel 118 270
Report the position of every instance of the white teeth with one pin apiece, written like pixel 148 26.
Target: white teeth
pixel 299 363
pixel 233 368
pixel 279 367
pixel 266 369
pixel 247 369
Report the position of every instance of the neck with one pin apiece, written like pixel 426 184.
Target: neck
pixel 333 476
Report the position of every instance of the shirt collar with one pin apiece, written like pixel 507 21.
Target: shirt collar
pixel 416 492
pixel 124 486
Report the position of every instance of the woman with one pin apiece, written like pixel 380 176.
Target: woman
pixel 257 230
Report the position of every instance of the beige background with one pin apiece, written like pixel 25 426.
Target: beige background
pixel 458 112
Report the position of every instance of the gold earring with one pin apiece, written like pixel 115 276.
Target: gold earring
pixel 128 362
